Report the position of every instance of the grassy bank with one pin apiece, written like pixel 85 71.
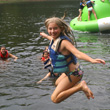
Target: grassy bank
pixel 9 1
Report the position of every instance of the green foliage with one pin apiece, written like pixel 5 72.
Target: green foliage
pixel 87 39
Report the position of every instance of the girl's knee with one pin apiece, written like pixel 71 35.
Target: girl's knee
pixel 53 98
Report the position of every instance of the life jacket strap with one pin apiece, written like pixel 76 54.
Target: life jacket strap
pixel 46 61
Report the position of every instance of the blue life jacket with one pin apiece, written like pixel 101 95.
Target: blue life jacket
pixel 47 64
pixel 59 61
pixel 81 6
pixel 89 4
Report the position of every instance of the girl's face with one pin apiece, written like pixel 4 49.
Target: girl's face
pixel 3 50
pixel 45 55
pixel 54 30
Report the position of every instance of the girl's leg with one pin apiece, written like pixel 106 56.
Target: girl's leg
pixel 94 13
pixel 66 88
pixel 89 15
pixel 63 75
pixel 79 17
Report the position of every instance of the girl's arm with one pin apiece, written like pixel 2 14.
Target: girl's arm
pixel 80 55
pixel 92 1
pixel 13 56
pixel 83 4
pixel 46 36
pixel 44 78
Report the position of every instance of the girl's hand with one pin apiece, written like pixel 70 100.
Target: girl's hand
pixel 98 61
pixel 15 58
pixel 39 82
pixel 44 35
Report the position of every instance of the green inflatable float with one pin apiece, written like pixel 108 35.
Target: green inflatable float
pixel 102 9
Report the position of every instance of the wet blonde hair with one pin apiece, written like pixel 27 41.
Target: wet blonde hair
pixel 62 24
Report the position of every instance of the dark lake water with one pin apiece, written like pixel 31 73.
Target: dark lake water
pixel 20 25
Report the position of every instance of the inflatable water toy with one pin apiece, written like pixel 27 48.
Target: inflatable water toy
pixel 102 24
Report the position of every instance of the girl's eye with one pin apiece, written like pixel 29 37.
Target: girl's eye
pixel 55 28
pixel 50 28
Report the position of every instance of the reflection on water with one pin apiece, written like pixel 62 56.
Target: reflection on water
pixel 20 24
